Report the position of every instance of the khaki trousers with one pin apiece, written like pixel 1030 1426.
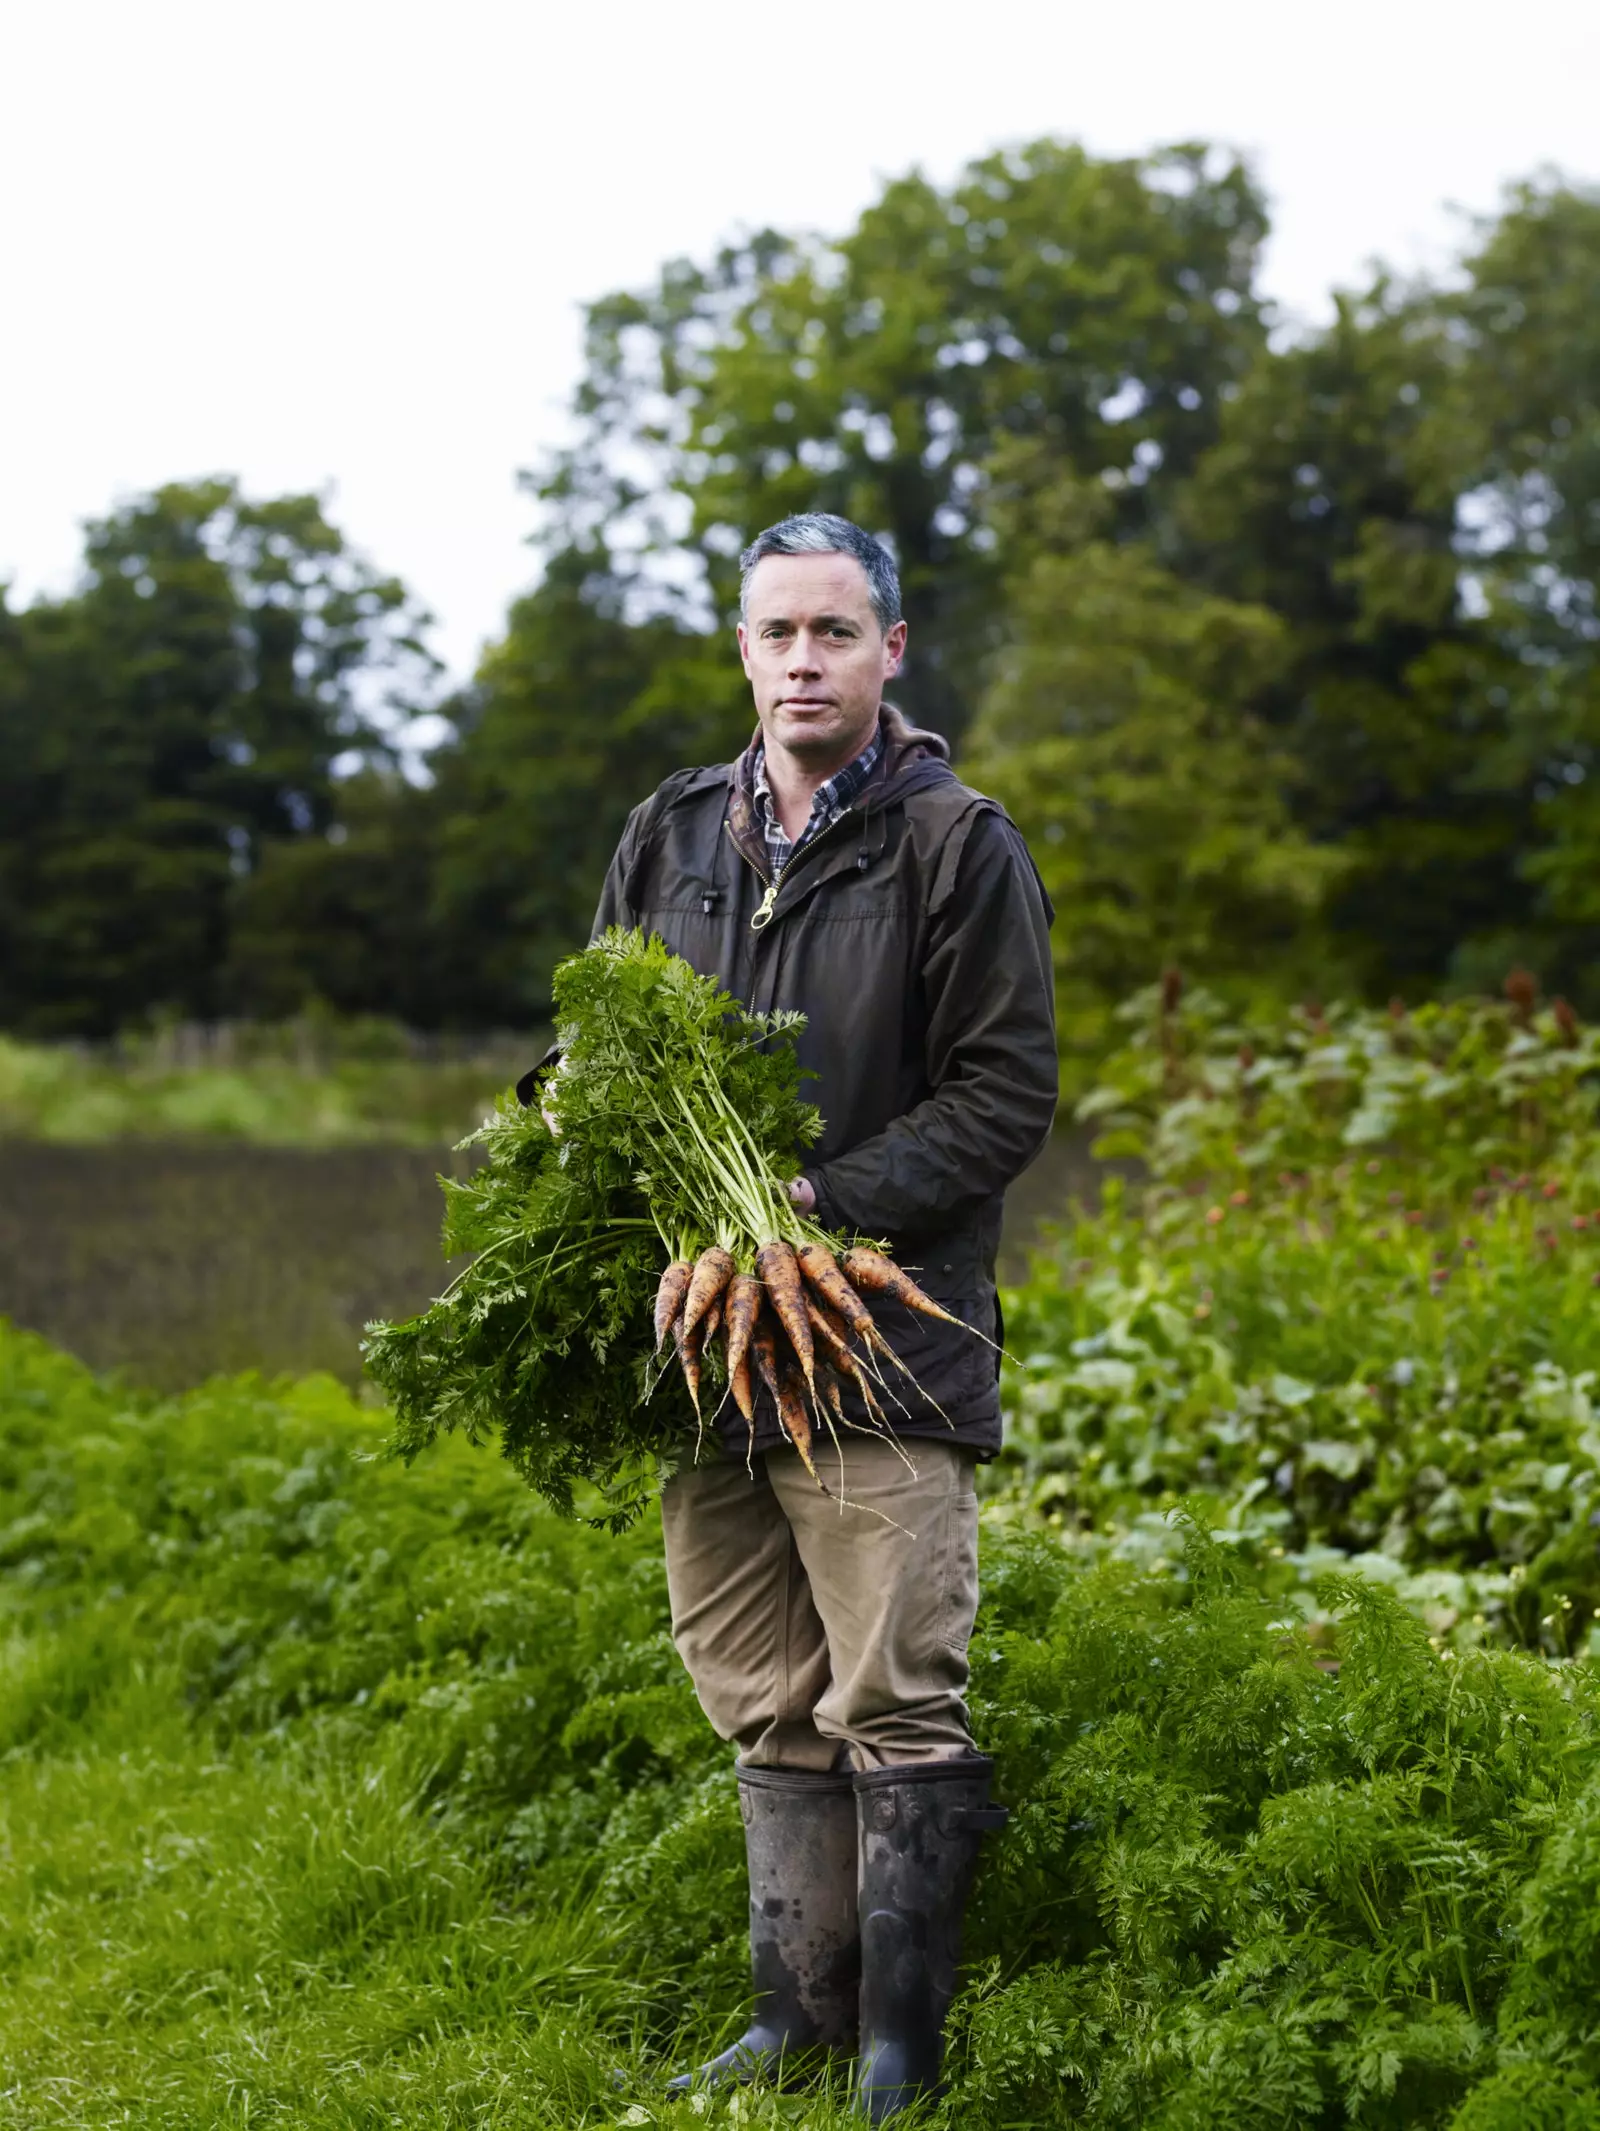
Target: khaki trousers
pixel 816 1634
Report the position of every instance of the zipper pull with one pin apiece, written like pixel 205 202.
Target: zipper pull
pixel 763 916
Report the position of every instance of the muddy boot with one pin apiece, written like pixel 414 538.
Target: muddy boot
pixel 920 1829
pixel 805 1953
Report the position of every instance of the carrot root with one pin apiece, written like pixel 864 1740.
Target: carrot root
pixel 713 1269
pixel 764 1347
pixel 741 1308
pixel 780 1275
pixel 669 1298
pixel 878 1275
pixel 688 1345
pixel 796 1422
pixel 820 1270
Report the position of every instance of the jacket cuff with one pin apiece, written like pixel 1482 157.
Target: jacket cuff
pixel 529 1085
pixel 826 1210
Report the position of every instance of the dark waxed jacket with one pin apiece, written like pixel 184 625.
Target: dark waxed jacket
pixel 914 937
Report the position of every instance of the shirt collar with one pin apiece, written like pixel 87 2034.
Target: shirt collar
pixel 835 792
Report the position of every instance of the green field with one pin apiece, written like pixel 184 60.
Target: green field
pixel 335 1793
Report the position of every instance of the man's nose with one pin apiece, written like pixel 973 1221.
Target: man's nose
pixel 803 657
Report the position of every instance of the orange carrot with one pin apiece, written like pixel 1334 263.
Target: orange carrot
pixel 796 1421
pixel 780 1275
pixel 688 1345
pixel 669 1298
pixel 869 1269
pixel 828 1328
pixel 830 1395
pixel 742 1308
pixel 743 1389
pixel 711 1324
pixel 764 1346
pixel 713 1269
pixel 822 1273
pixel 848 1365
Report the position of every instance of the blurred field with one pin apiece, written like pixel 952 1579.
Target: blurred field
pixel 173 1259
pixel 319 1081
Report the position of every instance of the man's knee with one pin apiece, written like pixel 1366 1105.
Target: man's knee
pixel 897 1585
pixel 742 1614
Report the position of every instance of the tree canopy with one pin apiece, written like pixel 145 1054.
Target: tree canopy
pixel 1282 648
pixel 168 726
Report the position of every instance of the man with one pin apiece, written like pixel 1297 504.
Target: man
pixel 841 868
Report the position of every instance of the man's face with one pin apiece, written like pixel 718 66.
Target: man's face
pixel 816 657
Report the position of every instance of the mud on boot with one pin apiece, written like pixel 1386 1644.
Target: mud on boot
pixel 805 1950
pixel 920 1829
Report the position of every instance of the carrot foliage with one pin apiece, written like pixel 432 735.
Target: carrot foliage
pixel 679 1123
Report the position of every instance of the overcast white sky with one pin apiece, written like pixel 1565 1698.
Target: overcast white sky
pixel 342 244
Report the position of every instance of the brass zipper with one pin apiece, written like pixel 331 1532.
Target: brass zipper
pixel 761 917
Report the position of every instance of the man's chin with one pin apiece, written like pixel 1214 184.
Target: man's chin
pixel 822 740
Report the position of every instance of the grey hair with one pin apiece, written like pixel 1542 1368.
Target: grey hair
pixel 821 533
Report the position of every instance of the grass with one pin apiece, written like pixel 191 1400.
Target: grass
pixel 298 1823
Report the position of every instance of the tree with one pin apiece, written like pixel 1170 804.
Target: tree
pixel 1123 734
pixel 346 919
pixel 1411 492
pixel 576 716
pixel 167 725
pixel 1330 498
pixel 1526 330
pixel 1107 306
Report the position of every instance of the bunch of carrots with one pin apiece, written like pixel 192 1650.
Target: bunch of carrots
pixel 674 1123
pixel 797 1323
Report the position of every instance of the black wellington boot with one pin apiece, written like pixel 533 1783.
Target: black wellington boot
pixel 920 1830
pixel 805 1949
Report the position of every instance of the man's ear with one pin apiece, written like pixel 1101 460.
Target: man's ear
pixel 744 646
pixel 894 649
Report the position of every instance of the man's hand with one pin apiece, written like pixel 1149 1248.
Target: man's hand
pixel 801 1193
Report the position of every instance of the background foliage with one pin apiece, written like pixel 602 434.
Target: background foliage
pixel 1281 646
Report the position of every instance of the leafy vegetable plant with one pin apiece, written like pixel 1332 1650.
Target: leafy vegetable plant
pixel 1350 1314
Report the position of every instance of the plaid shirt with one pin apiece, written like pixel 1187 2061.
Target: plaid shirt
pixel 828 803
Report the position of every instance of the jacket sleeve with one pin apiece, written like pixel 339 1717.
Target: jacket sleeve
pixel 990 1050
pixel 613 908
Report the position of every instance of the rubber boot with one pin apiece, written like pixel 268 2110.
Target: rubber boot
pixel 805 1949
pixel 921 1826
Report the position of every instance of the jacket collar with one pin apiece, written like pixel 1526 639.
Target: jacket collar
pixel 911 757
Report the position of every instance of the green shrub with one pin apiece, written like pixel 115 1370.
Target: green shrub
pixel 1454 1090
pixel 1386 1351
pixel 1246 1887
